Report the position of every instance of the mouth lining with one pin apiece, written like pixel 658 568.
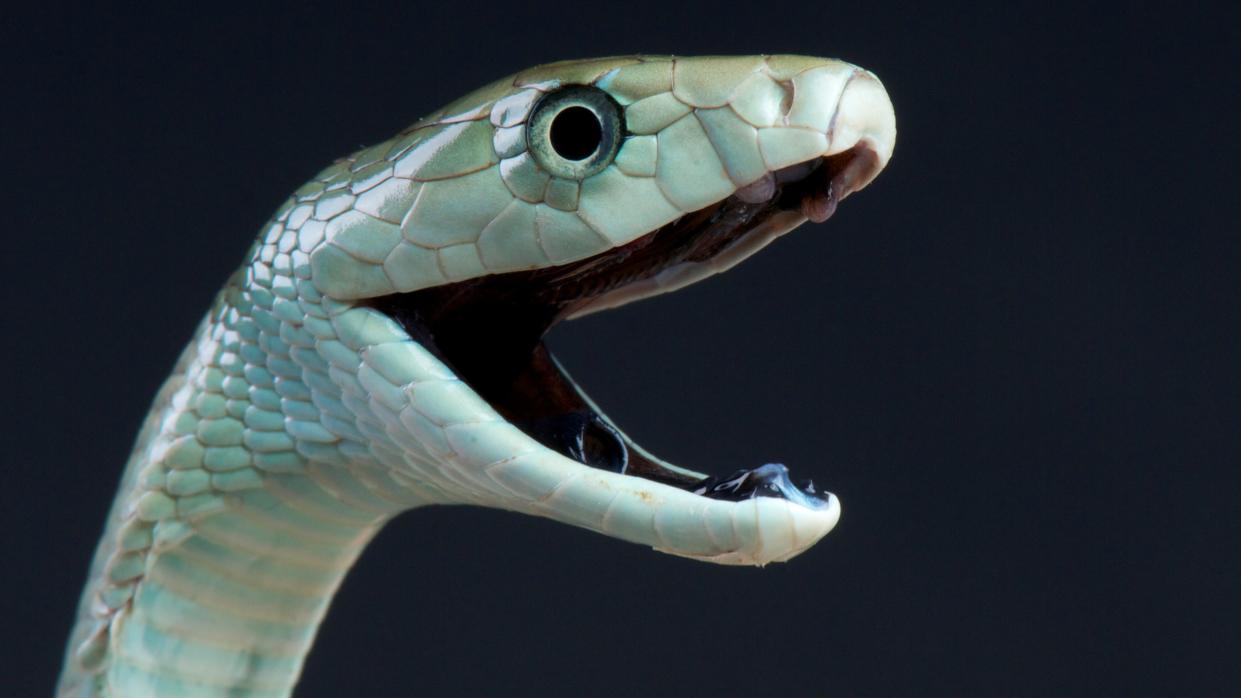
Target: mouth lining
pixel 489 330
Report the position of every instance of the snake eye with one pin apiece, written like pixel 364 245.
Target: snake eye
pixel 575 132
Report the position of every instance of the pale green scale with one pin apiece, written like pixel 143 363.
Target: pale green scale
pixel 185 452
pixel 564 235
pixel 238 480
pixel 816 116
pixel 523 177
pixel 736 142
pixel 509 141
pixel 782 147
pixel 655 113
pixel 299 420
pixel 563 194
pixel 637 157
pixel 365 238
pixel 689 171
pixel 637 81
pixel 225 458
pixel 618 206
pixel 499 246
pixel 710 81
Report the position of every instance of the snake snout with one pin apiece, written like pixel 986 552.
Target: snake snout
pixel 833 138
pixel 864 124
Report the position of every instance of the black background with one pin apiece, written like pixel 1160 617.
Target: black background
pixel 1014 357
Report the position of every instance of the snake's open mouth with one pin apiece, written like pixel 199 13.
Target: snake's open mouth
pixel 490 329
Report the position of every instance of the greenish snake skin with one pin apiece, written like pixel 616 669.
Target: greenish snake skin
pixel 301 418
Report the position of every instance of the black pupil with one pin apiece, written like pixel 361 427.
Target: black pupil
pixel 576 133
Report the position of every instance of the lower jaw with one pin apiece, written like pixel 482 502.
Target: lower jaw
pixel 547 405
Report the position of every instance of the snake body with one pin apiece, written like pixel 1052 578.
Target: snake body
pixel 306 412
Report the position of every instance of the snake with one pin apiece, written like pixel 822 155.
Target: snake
pixel 380 349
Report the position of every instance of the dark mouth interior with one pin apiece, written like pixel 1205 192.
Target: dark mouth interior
pixel 490 330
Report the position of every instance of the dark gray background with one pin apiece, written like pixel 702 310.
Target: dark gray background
pixel 1014 357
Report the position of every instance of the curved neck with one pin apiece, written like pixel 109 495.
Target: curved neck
pixel 242 508
pixel 233 607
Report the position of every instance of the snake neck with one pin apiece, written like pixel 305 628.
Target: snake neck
pixel 234 606
pixel 238 517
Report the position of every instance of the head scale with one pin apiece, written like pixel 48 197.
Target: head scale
pixel 565 161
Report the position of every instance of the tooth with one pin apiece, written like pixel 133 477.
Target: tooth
pixel 758 191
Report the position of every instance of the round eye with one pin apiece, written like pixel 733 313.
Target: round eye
pixel 575 132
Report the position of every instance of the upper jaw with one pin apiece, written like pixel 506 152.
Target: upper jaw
pixel 807 191
pixel 860 136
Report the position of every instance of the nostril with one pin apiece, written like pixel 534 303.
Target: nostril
pixel 786 100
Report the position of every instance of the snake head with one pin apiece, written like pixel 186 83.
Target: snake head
pixel 442 256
